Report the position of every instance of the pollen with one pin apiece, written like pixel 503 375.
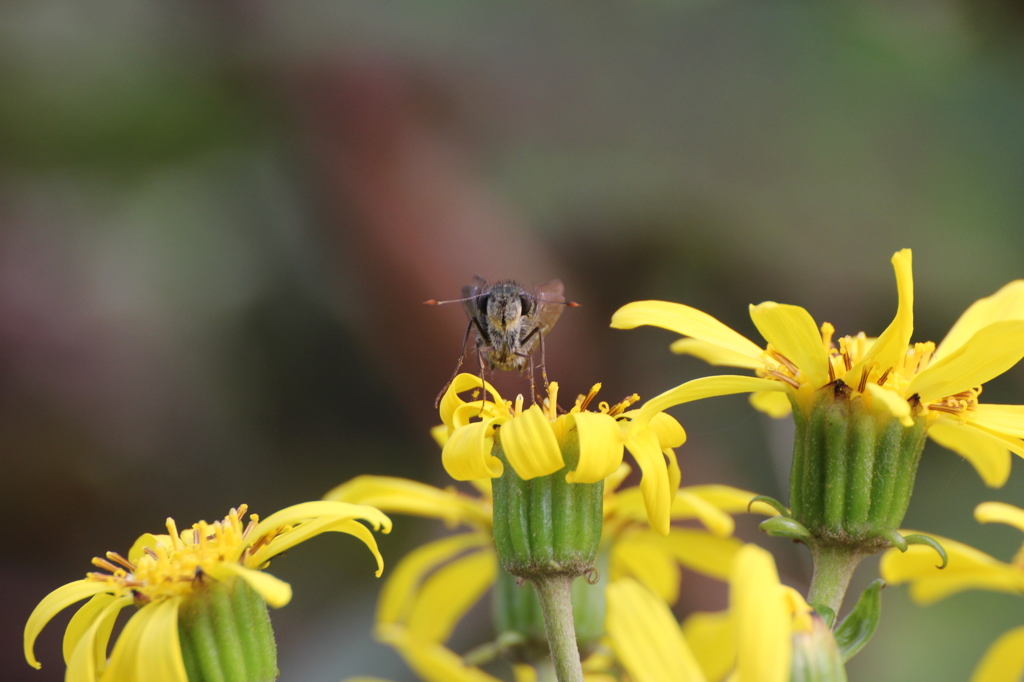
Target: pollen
pixel 170 565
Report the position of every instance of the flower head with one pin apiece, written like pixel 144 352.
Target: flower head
pixel 892 377
pixel 532 440
pixel 165 574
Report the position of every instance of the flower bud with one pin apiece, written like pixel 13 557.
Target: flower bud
pixel 816 658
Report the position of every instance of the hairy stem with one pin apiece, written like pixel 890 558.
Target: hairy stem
pixel 554 594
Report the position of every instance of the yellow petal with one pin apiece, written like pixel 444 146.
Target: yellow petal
pixel 773 403
pixel 637 556
pixel 670 433
pixel 601 447
pixel 1005 304
pixel 714 519
pixel 791 331
pixel 1000 512
pixel 159 649
pixel 274 591
pixel 711 637
pixel 968 569
pixel 986 355
pixel 52 604
pixel 308 511
pixel 429 660
pixel 1004 660
pixel 646 637
pixel 702 552
pixel 467 454
pixel 399 593
pixel 761 620
pixel 440 434
pixel 86 616
pixel 655 484
pixel 128 657
pixel 715 355
pixel 1008 419
pixel 530 445
pixel 892 344
pixel 392 494
pixel 88 657
pixel 685 321
pixel 728 499
pixel 445 597
pixel 988 455
pixel 698 389
pixel 893 402
pixel 460 384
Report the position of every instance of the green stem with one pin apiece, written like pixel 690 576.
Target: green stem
pixel 554 592
pixel 833 568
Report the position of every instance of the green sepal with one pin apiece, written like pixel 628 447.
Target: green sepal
pixel 771 502
pixel 826 612
pixel 225 633
pixel 545 525
pixel 917 539
pixel 859 625
pixel 896 540
pixel 783 527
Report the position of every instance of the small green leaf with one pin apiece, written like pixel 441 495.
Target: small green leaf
pixel 859 625
pixel 781 527
pixel 771 502
pixel 826 613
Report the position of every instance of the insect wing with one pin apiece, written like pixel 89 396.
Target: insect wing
pixel 550 302
pixel 470 295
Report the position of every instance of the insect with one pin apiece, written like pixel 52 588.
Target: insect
pixel 509 323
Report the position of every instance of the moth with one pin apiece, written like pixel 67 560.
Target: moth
pixel 509 323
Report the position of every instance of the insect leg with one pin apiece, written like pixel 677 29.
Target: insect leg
pixel 465 342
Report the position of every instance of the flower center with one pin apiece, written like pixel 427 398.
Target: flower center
pixel 844 355
pixel 168 565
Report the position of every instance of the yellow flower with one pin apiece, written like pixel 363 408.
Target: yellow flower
pixel 162 573
pixel 433 587
pixel 532 441
pixel 969 569
pixel 753 639
pixel 938 383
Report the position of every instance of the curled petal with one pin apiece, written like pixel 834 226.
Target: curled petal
pixel 1004 660
pixel 530 445
pixel 601 447
pixel 670 433
pixel 159 655
pixel 1000 512
pixel 54 603
pixel 467 454
pixel 988 455
pixel 646 637
pixel 304 531
pixel 460 384
pixel 714 519
pixel 685 321
pixel 791 330
pixel 1005 304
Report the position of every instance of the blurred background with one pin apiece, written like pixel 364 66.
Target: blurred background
pixel 219 220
